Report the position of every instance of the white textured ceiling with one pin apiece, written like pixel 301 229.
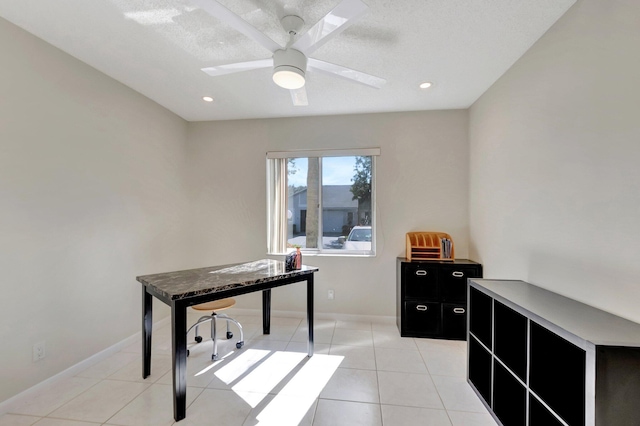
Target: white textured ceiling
pixel 158 47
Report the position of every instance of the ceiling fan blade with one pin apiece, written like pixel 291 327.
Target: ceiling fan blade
pixel 336 21
pixel 238 67
pixel 217 10
pixel 347 73
pixel 299 97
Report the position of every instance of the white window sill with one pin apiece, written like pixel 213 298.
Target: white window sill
pixel 326 254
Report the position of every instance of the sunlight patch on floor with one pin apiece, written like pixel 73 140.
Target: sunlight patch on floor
pixel 264 378
pixel 209 367
pixel 241 365
pixel 292 403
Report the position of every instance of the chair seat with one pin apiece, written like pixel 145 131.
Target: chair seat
pixel 216 305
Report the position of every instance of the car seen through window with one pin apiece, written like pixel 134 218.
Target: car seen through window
pixel 359 238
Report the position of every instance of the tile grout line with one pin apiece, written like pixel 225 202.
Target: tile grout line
pixel 434 384
pixel 69 401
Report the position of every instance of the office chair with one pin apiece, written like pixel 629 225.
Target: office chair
pixel 216 305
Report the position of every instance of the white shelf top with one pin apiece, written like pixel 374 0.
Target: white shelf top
pixel 586 322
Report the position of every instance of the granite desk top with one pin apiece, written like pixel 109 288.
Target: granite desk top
pixel 214 279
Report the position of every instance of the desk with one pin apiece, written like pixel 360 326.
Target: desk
pixel 182 289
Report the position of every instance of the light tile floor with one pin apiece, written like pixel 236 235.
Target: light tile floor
pixel 361 374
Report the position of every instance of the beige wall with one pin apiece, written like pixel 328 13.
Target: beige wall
pixel 422 179
pixel 99 184
pixel 555 161
pixel 91 194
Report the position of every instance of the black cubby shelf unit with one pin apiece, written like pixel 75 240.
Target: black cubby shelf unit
pixel 536 358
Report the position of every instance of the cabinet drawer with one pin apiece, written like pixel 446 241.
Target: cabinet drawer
pixel 420 281
pixel 422 317
pixel 453 282
pixel 454 321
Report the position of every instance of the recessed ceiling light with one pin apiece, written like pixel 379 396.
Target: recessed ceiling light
pixel 207 98
pixel 426 85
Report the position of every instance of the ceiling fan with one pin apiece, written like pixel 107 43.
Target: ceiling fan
pixel 290 62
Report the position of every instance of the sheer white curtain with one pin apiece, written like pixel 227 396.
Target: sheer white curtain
pixel 276 205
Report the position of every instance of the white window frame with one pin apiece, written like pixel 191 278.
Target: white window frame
pixel 277 200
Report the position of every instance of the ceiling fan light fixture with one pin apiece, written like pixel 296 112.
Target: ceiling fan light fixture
pixel 288 77
pixel 289 68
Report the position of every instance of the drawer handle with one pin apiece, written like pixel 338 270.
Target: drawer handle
pixel 458 310
pixel 421 272
pixel 421 307
pixel 458 274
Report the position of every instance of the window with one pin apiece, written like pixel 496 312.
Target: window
pixel 322 201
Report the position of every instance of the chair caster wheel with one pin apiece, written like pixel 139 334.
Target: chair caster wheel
pixel 229 335
pixel 239 345
pixel 198 339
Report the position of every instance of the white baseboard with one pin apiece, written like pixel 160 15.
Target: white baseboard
pixel 378 319
pixel 7 405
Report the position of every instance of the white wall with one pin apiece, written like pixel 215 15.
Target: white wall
pixel 555 161
pixel 92 195
pixel 422 184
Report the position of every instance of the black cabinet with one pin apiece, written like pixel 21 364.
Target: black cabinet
pixel 432 297
pixel 540 359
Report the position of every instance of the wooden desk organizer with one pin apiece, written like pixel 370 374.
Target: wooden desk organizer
pixel 429 246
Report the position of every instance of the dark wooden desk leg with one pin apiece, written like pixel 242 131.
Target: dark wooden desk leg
pixel 266 311
pixel 310 313
pixel 179 358
pixel 147 323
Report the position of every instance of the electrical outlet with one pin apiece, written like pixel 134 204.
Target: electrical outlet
pixel 330 295
pixel 38 351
